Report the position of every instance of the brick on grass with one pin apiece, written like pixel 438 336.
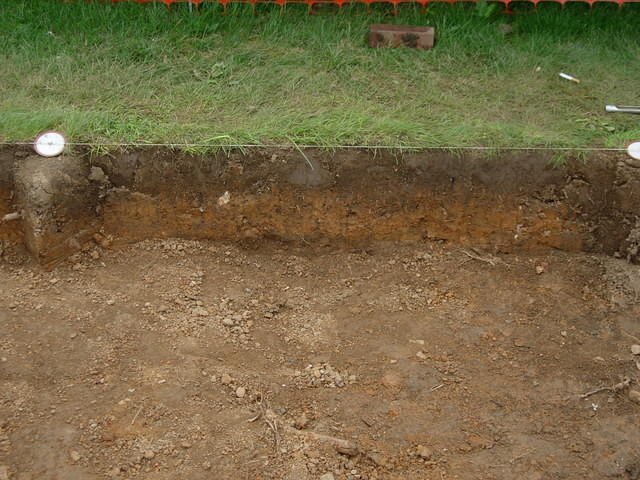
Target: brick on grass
pixel 381 35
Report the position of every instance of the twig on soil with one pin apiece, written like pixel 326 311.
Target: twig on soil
pixel 437 387
pixel 521 456
pixel 270 419
pixel 345 447
pixel 490 261
pixel 630 336
pixel 273 425
pixel 136 415
pixel 614 388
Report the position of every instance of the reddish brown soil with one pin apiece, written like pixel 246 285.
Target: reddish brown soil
pixel 127 363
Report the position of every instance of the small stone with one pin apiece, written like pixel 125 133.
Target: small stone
pixel 185 444
pixel 421 355
pixel 301 421
pixel 74 455
pixel 424 452
pixel 226 379
pixel 635 349
pixel 327 476
pixel 634 396
pixel 539 269
pixel 379 459
pixel 563 333
pixel 206 465
pixel 149 454
pixel 240 392
pixel 201 312
pixel 228 322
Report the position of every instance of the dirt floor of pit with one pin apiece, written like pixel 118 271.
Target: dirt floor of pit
pixel 179 359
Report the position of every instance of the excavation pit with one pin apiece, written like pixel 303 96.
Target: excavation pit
pixel 278 315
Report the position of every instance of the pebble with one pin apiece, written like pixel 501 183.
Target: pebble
pixel 327 476
pixel 226 379
pixel 421 355
pixel 201 312
pixel 635 349
pixel 228 322
pixel 185 444
pixel 539 269
pixel 424 452
pixel 206 465
pixel 74 455
pixel 149 454
pixel 634 396
pixel 240 392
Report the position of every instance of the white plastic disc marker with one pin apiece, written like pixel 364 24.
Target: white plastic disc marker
pixel 634 150
pixel 49 144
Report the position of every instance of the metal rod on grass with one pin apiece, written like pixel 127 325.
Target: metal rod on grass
pixel 621 109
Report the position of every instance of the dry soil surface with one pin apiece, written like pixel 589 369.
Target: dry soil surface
pixel 175 359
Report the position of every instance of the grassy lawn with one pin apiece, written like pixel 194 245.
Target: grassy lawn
pixel 109 73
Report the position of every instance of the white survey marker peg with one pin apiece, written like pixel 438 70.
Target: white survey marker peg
pixel 49 144
pixel 634 150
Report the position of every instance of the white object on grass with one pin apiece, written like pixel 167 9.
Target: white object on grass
pixel 634 150
pixel 49 144
pixel 569 77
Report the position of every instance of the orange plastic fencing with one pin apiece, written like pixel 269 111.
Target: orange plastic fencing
pixel 339 3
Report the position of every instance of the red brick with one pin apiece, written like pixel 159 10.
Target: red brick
pixel 381 35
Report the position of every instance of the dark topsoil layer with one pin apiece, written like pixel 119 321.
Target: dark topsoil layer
pixel 502 203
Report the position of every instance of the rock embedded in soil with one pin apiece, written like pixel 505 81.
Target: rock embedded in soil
pixel 226 379
pixel 424 452
pixel 634 396
pixel 635 349
pixel 240 392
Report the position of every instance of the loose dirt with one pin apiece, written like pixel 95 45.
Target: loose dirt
pixel 419 360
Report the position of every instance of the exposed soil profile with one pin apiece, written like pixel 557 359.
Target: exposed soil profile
pixel 354 197
pixel 347 317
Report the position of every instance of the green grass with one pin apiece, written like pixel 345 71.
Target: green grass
pixel 129 73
